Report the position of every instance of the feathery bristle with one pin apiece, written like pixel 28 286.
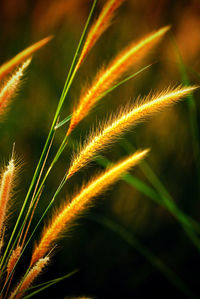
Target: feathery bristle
pixel 13 259
pixel 79 203
pixel 11 86
pixel 107 77
pixel 2 232
pixel 31 276
pixel 5 190
pixel 126 119
pixel 19 58
pixel 99 27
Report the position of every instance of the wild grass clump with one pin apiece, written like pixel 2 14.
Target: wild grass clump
pixel 13 247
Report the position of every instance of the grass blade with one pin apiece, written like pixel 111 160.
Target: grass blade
pixel 145 252
pixel 48 284
pixel 192 112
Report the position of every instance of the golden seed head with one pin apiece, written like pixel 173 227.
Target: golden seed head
pixel 107 77
pixel 126 118
pixel 79 203
pixel 7 67
pixel 10 87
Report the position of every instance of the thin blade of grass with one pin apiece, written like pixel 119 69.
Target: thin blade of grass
pixel 190 227
pixel 154 195
pixel 73 70
pixel 48 284
pixel 145 252
pixel 186 223
pixel 165 198
pixel 63 122
pixel 162 197
pixel 192 111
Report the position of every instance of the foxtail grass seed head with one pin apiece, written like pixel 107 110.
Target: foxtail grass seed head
pixel 79 203
pixel 97 29
pixel 127 118
pixel 13 259
pixel 7 67
pixel 6 190
pixel 10 87
pixel 107 77
pixel 29 279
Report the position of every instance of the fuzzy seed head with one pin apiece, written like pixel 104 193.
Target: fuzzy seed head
pixel 13 259
pixel 101 24
pixel 10 87
pixel 7 67
pixel 126 118
pixel 5 190
pixel 31 276
pixel 80 202
pixel 107 77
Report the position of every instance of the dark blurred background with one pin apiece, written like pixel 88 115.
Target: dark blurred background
pixel 110 263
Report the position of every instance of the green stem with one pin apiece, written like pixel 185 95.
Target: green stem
pixel 67 85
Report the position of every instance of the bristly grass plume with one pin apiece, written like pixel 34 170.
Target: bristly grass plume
pixel 106 77
pixel 120 123
pixel 12 247
pixel 10 86
pixel 79 203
